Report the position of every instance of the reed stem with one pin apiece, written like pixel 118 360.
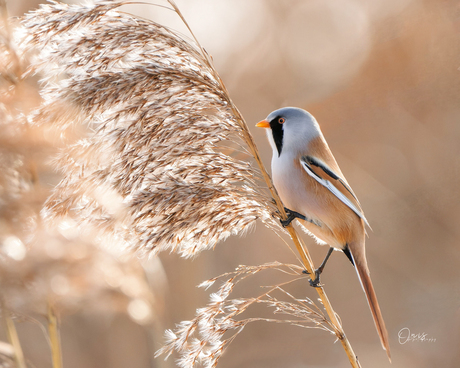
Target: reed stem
pixel 13 338
pixel 55 341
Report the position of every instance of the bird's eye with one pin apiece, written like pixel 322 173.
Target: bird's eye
pixel 281 120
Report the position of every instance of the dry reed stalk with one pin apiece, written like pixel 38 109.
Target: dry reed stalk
pixel 13 338
pixel 151 173
pixel 55 340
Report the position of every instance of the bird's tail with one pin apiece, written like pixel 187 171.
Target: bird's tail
pixel 366 283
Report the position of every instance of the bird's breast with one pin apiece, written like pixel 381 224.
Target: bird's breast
pixel 294 191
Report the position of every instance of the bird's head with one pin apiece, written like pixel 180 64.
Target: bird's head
pixel 290 129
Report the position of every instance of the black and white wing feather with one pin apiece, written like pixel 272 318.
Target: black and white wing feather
pixel 326 176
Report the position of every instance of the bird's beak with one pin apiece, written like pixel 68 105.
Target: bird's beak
pixel 263 124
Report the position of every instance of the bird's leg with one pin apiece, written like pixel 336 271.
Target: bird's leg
pixel 291 215
pixel 319 270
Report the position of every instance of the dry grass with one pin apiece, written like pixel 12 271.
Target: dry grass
pixel 150 160
pixel 203 340
pixel 45 273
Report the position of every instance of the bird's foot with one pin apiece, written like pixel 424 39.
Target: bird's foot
pixel 316 282
pixel 291 215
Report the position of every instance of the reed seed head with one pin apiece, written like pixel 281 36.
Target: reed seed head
pixel 154 170
pixel 39 265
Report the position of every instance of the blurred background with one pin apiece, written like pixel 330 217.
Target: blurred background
pixel 382 79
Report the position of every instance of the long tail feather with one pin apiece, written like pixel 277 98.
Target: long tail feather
pixel 366 283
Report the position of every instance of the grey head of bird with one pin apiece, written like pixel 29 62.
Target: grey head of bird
pixel 291 129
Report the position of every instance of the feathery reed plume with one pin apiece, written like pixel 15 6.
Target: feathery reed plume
pixel 154 173
pixel 48 272
pixel 221 316
pixel 37 264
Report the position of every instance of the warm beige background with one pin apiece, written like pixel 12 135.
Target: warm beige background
pixel 382 78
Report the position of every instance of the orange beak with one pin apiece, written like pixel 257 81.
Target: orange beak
pixel 263 124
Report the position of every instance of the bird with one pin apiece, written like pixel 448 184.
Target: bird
pixel 314 190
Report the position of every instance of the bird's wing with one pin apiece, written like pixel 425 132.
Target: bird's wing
pixel 333 182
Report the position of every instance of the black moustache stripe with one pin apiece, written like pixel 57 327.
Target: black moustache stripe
pixel 277 131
